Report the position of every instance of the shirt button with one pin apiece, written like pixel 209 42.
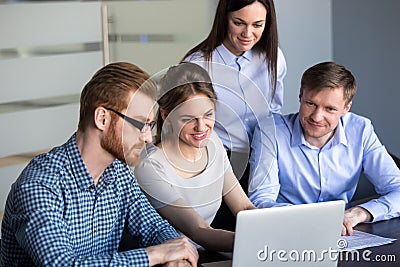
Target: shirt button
pixel 94 230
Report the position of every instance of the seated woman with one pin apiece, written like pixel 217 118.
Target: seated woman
pixel 186 173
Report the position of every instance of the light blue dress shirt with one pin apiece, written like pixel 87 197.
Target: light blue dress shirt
pixel 243 87
pixel 308 174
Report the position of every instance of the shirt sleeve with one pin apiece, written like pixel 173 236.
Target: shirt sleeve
pixel 380 168
pixel 263 180
pixel 277 101
pixel 155 182
pixel 145 222
pixel 42 233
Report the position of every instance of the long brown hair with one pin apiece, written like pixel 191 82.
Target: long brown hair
pixel 267 45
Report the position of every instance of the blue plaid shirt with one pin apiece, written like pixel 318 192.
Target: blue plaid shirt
pixel 56 216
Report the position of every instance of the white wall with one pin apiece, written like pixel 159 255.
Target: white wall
pixel 305 36
pixel 48 51
pixel 156 34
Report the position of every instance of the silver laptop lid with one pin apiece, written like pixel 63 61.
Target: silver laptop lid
pixel 298 235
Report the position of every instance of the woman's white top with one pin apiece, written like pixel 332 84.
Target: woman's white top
pixel 163 186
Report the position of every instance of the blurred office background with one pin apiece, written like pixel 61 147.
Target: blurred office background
pixel 50 49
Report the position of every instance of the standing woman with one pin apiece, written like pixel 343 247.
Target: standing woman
pixel 247 67
pixel 187 173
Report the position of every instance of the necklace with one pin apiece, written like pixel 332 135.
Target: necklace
pixel 183 164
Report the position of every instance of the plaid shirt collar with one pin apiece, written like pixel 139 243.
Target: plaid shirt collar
pixel 81 174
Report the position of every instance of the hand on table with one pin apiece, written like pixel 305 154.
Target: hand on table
pixel 178 250
pixel 352 217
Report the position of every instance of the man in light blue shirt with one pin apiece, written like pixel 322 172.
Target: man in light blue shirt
pixel 322 149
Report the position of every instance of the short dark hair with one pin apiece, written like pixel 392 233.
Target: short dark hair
pixel 329 75
pixel 110 87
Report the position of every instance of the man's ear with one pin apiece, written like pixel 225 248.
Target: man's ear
pixel 101 118
pixel 347 107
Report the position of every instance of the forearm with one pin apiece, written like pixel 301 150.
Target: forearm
pixel 191 224
pixel 214 239
pixel 264 197
pixel 54 248
pixel 263 180
pixel 145 222
pixel 61 253
pixel 137 257
pixel 174 250
pixel 384 207
pixel 384 174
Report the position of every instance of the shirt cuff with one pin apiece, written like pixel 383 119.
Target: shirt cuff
pixel 376 209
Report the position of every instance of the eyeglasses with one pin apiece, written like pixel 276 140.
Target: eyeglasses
pixel 137 124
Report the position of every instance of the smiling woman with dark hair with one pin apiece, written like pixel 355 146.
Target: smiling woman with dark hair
pixel 187 173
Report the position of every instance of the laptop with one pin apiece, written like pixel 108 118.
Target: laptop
pixel 298 235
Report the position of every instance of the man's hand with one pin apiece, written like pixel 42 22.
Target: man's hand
pixel 354 216
pixel 178 250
